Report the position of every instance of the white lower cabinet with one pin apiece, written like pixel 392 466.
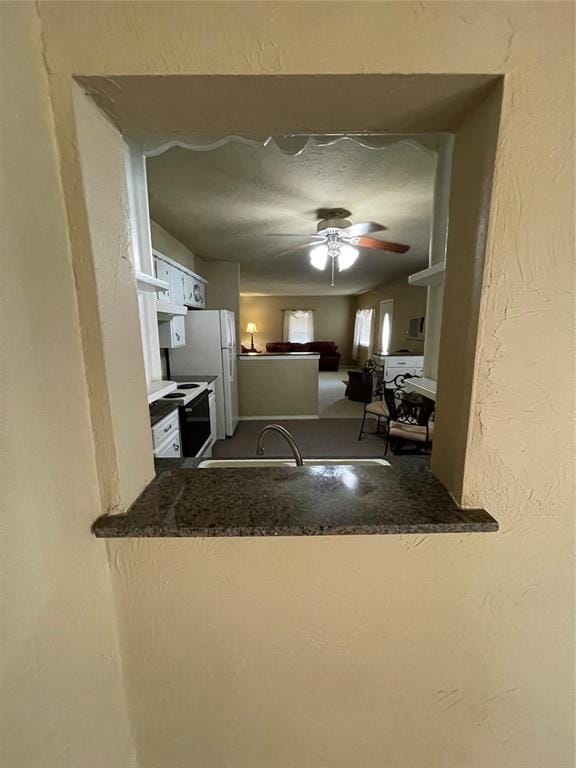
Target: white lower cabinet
pixel 169 450
pixel 166 437
pixel 168 427
pixel 172 333
pixel 398 365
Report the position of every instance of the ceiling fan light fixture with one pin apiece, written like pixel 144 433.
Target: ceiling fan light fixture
pixel 346 257
pixel 319 256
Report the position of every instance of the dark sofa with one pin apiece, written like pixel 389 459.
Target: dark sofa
pixel 328 351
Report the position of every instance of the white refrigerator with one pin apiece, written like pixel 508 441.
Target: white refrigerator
pixel 211 350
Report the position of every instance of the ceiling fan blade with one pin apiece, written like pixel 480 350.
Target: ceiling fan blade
pixel 291 234
pixel 292 250
pixel 371 242
pixel 363 228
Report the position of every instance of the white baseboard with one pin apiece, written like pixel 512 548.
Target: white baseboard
pixel 278 418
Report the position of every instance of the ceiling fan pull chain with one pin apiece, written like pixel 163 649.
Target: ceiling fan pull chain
pixel 332 260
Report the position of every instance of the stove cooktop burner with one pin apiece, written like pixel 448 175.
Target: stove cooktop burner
pixel 188 386
pixel 172 395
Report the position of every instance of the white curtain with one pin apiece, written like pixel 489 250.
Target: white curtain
pixel 362 331
pixel 298 325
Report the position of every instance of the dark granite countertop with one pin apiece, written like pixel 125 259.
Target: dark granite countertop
pixel 160 409
pixel 194 377
pixel 295 501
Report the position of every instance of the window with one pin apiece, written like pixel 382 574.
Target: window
pixel 362 330
pixel 386 314
pixel 298 326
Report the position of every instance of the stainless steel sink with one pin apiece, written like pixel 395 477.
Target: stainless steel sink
pixel 246 463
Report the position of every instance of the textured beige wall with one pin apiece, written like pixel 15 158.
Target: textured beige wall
pixel 333 319
pixel 61 697
pixel 474 150
pixel 167 244
pixel 447 651
pixel 101 155
pixel 409 302
pixel 270 387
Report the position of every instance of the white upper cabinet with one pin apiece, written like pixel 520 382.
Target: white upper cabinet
pixel 177 286
pixel 195 292
pixel 186 288
pixel 162 270
pixel 172 334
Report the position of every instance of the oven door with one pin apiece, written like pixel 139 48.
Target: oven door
pixel 195 424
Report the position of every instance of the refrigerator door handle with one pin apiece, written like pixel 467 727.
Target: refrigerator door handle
pixel 230 329
pixel 232 359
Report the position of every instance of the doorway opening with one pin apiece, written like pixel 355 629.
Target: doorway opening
pixel 386 320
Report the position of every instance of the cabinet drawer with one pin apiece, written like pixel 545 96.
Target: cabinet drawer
pixel 171 449
pixel 169 426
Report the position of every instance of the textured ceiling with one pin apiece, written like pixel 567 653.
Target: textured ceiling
pixel 223 204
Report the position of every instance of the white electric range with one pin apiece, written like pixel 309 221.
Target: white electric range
pixel 194 399
pixel 186 391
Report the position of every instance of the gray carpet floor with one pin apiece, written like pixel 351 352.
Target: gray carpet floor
pixel 316 438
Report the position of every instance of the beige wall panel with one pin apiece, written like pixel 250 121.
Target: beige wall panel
pixel 341 651
pixel 473 165
pixel 272 387
pixel 61 699
pixel 101 153
pixel 223 289
pixel 333 319
pixel 457 652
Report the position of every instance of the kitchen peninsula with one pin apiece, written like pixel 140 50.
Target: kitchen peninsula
pixel 278 385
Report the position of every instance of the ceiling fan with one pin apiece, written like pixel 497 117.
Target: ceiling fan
pixel 338 240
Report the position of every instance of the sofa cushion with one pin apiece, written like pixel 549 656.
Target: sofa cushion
pixel 278 347
pixel 324 347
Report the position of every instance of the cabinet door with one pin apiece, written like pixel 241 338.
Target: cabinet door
pixel 177 287
pixel 178 331
pixel 171 449
pixel 189 290
pixel 194 292
pixel 172 333
pixel 162 270
pixel 166 429
pixel 200 294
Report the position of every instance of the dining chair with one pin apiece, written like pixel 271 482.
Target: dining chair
pixel 376 408
pixel 410 418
